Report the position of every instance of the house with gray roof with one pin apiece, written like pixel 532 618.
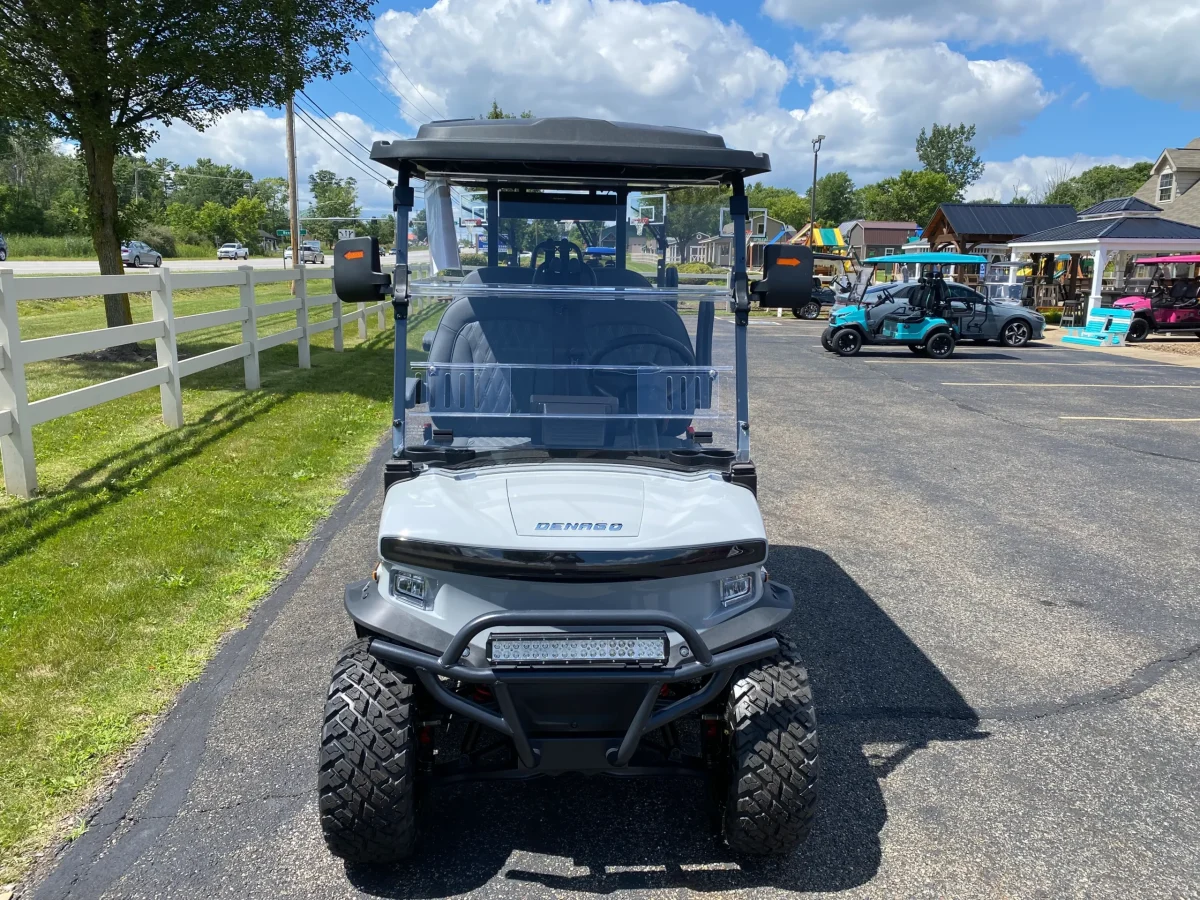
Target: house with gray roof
pixel 1172 184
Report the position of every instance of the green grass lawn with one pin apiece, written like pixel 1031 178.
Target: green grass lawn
pixel 147 544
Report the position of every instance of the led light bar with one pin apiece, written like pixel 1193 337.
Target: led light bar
pixel 578 649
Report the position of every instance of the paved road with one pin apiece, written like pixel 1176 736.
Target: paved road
pixel 91 267
pixel 1000 611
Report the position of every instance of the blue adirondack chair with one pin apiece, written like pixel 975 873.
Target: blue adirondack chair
pixel 1105 328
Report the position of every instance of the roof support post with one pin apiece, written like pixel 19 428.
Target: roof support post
pixel 739 208
pixel 402 204
pixel 622 228
pixel 1099 261
pixel 493 226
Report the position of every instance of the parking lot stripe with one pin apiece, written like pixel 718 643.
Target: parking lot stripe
pixel 1060 384
pixel 1124 419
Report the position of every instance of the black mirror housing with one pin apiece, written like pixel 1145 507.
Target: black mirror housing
pixel 357 275
pixel 787 276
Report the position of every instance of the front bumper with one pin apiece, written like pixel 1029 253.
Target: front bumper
pixel 557 753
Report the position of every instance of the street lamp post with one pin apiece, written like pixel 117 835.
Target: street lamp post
pixel 812 211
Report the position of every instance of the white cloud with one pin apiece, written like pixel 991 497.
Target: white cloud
pixel 256 141
pixel 663 63
pixel 1029 176
pixel 667 63
pixel 1123 43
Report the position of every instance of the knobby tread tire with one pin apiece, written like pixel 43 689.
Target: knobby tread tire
pixel 367 792
pixel 773 756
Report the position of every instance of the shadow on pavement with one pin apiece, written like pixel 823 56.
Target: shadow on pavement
pixel 879 700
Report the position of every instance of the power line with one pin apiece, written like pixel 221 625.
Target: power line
pixel 332 121
pixel 387 78
pixel 337 147
pixel 405 74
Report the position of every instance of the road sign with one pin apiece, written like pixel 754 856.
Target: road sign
pixel 286 232
pixel 344 234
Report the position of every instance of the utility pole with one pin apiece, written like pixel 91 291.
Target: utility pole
pixel 293 192
pixel 812 210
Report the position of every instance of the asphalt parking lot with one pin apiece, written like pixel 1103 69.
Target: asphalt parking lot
pixel 996 566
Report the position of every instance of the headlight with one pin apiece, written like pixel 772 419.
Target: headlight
pixel 416 589
pixel 736 588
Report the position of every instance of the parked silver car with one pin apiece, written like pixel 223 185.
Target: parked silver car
pixel 233 250
pixel 136 253
pixel 310 252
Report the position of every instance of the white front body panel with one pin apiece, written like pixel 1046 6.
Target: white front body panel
pixel 516 508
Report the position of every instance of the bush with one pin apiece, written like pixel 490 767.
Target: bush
pixel 199 250
pixel 472 259
pixel 32 246
pixel 698 268
pixel 159 237
pixel 1053 316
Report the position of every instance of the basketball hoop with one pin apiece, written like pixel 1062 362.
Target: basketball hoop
pixel 640 222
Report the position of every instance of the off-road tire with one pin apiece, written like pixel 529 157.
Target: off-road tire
pixel 829 347
pixel 367 790
pixel 940 345
pixel 809 310
pixel 773 756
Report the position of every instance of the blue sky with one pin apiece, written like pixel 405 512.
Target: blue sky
pixel 1053 86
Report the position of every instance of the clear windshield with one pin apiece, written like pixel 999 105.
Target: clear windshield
pixel 643 371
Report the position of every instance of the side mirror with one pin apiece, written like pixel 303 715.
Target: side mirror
pixel 787 276
pixel 357 275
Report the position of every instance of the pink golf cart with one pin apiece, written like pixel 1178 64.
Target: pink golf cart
pixel 1170 305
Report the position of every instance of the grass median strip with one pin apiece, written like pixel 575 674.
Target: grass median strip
pixel 147 543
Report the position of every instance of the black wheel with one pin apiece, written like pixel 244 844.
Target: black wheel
pixel 1015 333
pixel 137 262
pixel 917 349
pixel 809 310
pixel 772 757
pixel 940 345
pixel 157 261
pixel 825 335
pixel 1138 331
pixel 367 792
pixel 846 341
pixel 3 255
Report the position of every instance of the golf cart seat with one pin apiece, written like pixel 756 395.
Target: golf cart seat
pixel 500 275
pixel 524 332
pixel 908 317
pixel 611 276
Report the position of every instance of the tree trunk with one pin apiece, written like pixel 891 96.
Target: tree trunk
pixel 98 156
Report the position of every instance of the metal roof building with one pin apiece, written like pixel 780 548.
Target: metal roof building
pixel 965 226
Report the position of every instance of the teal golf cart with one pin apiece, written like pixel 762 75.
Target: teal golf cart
pixel 922 319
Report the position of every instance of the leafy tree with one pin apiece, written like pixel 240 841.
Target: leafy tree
pixel 420 226
pixel 1097 184
pixel 780 203
pixel 274 195
pixel 949 149
pixel 215 222
pixel 246 217
pixel 693 210
pixel 837 199
pixel 332 197
pixel 104 73
pixel 197 184
pixel 911 196
pixel 497 113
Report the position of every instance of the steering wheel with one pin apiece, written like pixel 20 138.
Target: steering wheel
pixel 629 340
pixel 558 267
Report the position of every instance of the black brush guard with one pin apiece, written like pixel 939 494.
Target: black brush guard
pixel 718 666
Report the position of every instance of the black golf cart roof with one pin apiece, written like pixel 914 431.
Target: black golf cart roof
pixel 568 151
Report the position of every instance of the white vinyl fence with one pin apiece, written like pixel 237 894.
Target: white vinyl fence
pixel 18 416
